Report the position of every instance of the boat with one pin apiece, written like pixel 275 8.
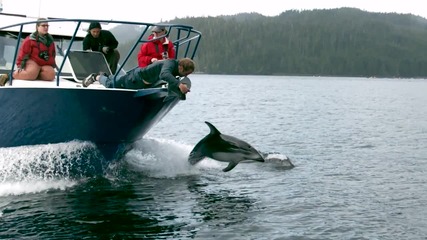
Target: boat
pixel 61 111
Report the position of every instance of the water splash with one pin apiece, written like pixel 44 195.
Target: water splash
pixel 25 187
pixel 278 160
pixel 163 158
pixel 39 167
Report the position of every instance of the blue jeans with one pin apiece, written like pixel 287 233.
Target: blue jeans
pixel 127 81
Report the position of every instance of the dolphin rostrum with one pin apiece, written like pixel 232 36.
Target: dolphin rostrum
pixel 223 148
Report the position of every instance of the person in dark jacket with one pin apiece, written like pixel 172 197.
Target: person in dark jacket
pixel 168 70
pixel 102 41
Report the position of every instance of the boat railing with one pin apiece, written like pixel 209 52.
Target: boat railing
pixel 69 33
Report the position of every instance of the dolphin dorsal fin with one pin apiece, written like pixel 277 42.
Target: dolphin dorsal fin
pixel 214 131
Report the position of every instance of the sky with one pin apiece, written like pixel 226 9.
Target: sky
pixel 163 10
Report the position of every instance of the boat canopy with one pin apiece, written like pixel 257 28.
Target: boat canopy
pixel 69 33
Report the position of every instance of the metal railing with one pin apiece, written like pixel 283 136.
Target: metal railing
pixel 185 39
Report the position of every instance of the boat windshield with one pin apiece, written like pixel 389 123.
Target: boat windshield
pixel 7 51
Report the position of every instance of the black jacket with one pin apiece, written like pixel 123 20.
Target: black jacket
pixel 106 38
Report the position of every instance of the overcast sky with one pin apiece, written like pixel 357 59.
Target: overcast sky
pixel 161 10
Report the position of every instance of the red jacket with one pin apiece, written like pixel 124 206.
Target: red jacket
pixel 155 49
pixel 31 49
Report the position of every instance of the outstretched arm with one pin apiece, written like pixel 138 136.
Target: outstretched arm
pixel 167 71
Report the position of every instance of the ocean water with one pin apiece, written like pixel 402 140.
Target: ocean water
pixel 359 147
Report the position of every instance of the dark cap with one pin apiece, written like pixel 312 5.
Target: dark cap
pixel 158 29
pixel 40 21
pixel 94 25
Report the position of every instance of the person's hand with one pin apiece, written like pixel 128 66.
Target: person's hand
pixel 105 49
pixel 154 60
pixel 184 88
pixel 23 63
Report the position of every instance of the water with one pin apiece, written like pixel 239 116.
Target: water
pixel 359 147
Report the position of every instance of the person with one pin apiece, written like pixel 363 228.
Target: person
pixel 3 79
pixel 158 49
pixel 139 78
pixel 102 41
pixel 36 57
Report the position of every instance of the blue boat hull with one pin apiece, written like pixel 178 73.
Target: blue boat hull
pixel 110 118
pixel 44 112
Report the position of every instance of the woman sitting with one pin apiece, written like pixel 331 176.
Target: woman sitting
pixel 36 58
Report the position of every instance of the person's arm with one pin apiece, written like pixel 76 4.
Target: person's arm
pixel 143 58
pixel 111 41
pixel 54 56
pixel 86 43
pixel 171 50
pixel 24 53
pixel 166 72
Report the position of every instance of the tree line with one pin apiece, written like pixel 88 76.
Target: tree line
pixel 334 42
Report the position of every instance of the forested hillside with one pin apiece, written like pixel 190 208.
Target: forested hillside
pixel 337 42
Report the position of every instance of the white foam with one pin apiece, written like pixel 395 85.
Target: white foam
pixel 37 168
pixel 165 158
pixel 18 188
pixel 276 156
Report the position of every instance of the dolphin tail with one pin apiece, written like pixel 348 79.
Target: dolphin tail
pixel 230 166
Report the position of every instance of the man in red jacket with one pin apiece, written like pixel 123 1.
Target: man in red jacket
pixel 159 48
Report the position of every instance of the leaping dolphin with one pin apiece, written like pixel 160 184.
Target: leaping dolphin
pixel 223 148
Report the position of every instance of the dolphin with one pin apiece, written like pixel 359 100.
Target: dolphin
pixel 223 148
pixel 278 159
